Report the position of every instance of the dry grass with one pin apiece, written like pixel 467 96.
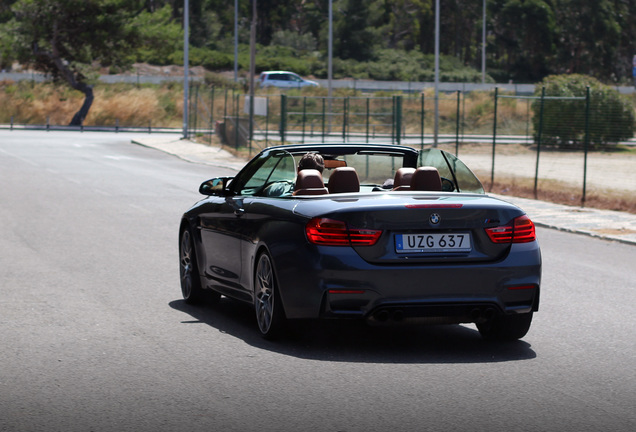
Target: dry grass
pixel 561 193
pixel 134 107
pixel 127 105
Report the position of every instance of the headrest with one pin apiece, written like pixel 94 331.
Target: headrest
pixel 426 179
pixel 402 179
pixel 344 179
pixel 309 182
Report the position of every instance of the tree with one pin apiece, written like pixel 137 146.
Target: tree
pixel 589 36
pixel 158 36
pixel 403 23
pixel 353 29
pixel 65 37
pixel 526 34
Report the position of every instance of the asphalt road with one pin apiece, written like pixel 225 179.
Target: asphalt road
pixel 94 335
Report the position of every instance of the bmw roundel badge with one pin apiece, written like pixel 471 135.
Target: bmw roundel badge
pixel 434 218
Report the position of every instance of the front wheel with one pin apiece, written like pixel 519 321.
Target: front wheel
pixel 506 327
pixel 270 315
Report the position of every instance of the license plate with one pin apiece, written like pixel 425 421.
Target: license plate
pixel 433 243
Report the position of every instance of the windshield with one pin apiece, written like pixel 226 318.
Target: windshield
pixel 276 168
pixel 273 173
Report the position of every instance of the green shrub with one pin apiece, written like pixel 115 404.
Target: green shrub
pixel 400 65
pixel 611 116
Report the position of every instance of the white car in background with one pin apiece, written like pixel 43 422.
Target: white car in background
pixel 284 79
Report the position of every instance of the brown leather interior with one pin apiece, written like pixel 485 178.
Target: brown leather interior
pixel 344 179
pixel 426 179
pixel 402 179
pixel 309 182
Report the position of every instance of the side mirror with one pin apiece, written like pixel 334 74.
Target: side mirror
pixel 447 185
pixel 215 186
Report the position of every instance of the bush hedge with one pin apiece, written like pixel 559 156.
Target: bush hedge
pixel 611 115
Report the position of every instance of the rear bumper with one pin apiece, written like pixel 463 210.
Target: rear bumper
pixel 338 284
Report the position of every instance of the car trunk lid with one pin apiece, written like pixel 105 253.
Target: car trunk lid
pixel 422 227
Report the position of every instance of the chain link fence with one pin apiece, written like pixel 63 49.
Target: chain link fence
pixel 543 144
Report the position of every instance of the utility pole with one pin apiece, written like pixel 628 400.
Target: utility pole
pixel 330 48
pixel 235 40
pixel 252 70
pixel 436 132
pixel 483 46
pixel 186 65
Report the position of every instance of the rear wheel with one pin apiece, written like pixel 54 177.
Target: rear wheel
pixel 506 327
pixel 188 272
pixel 270 315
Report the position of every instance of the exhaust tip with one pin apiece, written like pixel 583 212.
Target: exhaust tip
pixel 382 316
pixel 398 315
pixel 489 314
pixel 475 315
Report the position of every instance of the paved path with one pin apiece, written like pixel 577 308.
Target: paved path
pixel 605 171
pixel 607 224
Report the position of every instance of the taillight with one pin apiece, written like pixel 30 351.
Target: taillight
pixel 519 230
pixel 331 232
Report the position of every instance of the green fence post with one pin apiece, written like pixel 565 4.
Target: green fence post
pixel 190 103
pixel 283 117
pixel 196 110
pixel 398 119
pixel 302 140
pixel 457 125
pixel 225 106
pixel 494 140
pixel 266 121
pixel 324 116
pixel 368 118
pixel 527 119
pixel 393 119
pixel 536 170
pixel 237 120
pixel 212 104
pixel 422 122
pixel 586 142
pixel 345 103
pixel 212 114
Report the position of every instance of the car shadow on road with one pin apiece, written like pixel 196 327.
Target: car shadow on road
pixel 355 341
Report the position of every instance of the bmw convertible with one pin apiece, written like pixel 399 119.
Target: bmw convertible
pixel 381 233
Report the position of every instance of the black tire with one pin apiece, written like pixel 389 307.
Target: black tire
pixel 506 327
pixel 270 315
pixel 188 271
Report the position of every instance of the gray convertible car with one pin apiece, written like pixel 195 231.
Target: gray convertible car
pixel 384 233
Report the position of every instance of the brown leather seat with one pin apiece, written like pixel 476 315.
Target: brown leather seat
pixel 426 179
pixel 402 179
pixel 344 179
pixel 309 182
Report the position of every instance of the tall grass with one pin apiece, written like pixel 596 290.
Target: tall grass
pixel 123 104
